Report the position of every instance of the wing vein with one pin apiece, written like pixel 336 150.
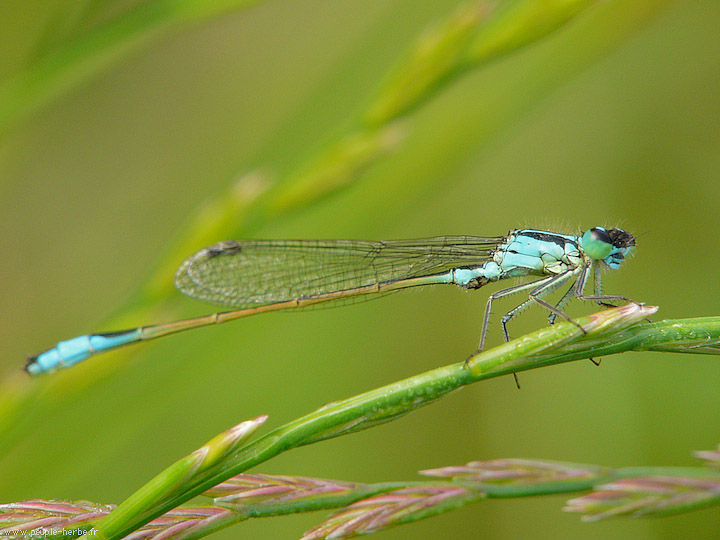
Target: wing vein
pixel 250 273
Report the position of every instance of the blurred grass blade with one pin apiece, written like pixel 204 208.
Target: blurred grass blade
pixel 711 457
pixel 434 56
pixel 520 22
pixel 473 34
pixel 86 54
pixel 335 167
pixel 211 221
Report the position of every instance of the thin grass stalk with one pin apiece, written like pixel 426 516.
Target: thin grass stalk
pixel 88 53
pixel 609 330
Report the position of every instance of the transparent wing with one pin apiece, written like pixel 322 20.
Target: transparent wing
pixel 250 273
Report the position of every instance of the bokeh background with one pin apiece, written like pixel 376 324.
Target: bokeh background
pixel 611 120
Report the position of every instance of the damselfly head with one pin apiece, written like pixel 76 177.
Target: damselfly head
pixel 623 244
pixel 608 245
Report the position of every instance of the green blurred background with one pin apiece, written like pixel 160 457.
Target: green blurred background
pixel 577 130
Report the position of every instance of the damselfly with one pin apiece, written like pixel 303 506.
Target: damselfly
pixel 255 276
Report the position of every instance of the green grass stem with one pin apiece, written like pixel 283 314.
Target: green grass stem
pixel 608 332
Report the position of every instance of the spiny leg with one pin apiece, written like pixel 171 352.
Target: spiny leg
pixel 579 285
pixel 562 303
pixel 597 281
pixel 538 284
pixel 601 298
pixel 501 294
pixel 577 291
pixel 597 287
pixel 488 311
pixel 598 296
pixel 537 294
pixel 578 288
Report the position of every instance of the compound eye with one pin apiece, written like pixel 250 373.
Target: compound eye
pixel 621 239
pixel 596 243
